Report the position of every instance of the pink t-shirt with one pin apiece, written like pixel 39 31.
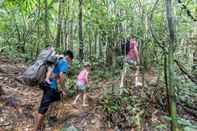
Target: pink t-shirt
pixel 132 54
pixel 83 75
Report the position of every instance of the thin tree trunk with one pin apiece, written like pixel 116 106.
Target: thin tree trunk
pixel 65 34
pixel 71 36
pixel 171 90
pixel 38 30
pixel 100 42
pixel 46 22
pixel 59 26
pixel 90 43
pixel 80 30
pixel 63 31
pixel 95 44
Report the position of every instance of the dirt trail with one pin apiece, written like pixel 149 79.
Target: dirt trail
pixel 19 104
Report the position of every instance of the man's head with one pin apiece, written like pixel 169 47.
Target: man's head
pixel 69 55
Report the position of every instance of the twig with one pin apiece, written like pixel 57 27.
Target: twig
pixel 7 124
pixel 183 69
pixel 160 44
pixel 189 110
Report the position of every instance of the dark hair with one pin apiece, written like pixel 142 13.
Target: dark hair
pixel 133 35
pixel 69 53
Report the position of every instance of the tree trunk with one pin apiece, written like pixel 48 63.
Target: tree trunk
pixel 38 30
pixel 46 22
pixel 59 25
pixel 95 44
pixel 71 35
pixel 90 44
pixel 65 34
pixel 171 88
pixel 100 42
pixel 80 31
pixel 63 31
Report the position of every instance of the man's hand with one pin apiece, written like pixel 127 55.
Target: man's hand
pixel 61 79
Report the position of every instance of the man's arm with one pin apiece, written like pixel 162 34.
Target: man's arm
pixel 61 83
pixel 63 67
pixel 61 78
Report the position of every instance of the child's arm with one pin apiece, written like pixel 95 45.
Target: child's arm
pixel 49 73
pixel 86 77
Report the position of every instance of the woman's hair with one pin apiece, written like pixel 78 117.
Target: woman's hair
pixel 133 36
pixel 87 64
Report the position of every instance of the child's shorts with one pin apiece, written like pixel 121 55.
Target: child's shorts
pixel 81 85
pixel 131 62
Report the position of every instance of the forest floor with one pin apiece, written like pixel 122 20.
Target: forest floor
pixel 19 104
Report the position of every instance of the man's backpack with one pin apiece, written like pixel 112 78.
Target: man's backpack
pixel 36 73
pixel 125 47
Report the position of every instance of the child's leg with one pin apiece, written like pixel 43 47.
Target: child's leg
pixel 76 99
pixel 84 99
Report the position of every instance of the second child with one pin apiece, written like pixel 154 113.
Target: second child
pixel 82 82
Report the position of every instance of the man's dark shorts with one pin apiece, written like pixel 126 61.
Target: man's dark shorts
pixel 49 95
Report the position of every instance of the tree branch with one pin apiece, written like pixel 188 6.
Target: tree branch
pixel 182 69
pixel 160 44
pixel 189 14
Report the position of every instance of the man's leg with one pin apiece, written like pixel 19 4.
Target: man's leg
pixel 44 105
pixel 39 122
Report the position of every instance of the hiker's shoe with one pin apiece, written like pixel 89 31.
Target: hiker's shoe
pixel 74 105
pixel 52 120
pixel 138 84
pixel 85 105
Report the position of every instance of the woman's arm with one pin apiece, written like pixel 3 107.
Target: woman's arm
pixel 137 54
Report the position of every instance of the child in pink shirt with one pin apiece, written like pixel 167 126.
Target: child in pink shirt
pixel 82 81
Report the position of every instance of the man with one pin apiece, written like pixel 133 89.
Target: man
pixel 50 90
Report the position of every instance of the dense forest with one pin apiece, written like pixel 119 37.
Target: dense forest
pixel 95 30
